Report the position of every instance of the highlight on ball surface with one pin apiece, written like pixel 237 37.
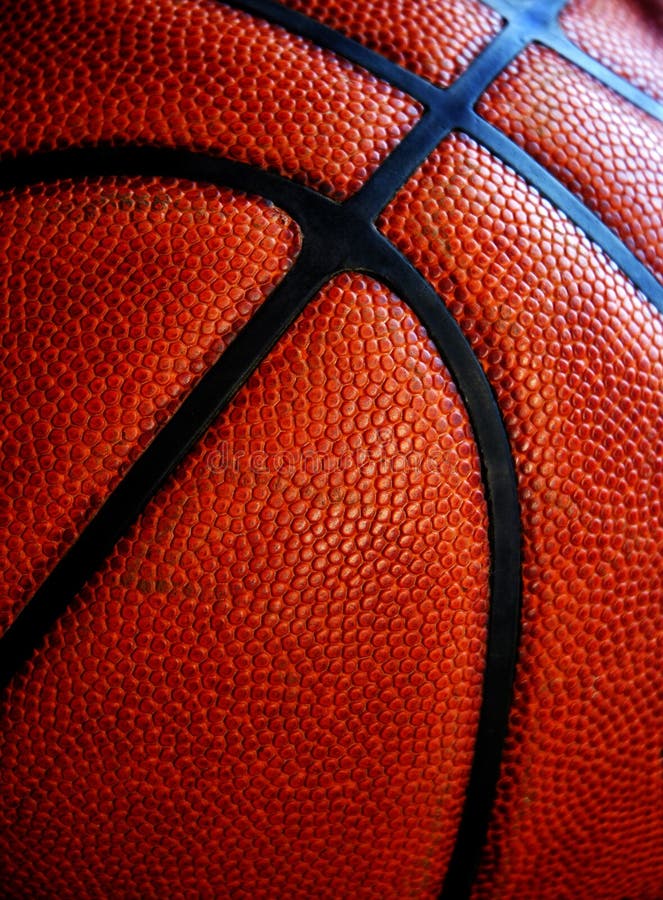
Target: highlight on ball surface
pixel 331 445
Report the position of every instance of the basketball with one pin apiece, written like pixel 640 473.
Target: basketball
pixel 331 458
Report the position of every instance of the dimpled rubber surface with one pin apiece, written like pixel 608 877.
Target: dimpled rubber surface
pixel 575 356
pixel 192 74
pixel 436 40
pixel 624 35
pixel 115 295
pixel 599 145
pixel 272 687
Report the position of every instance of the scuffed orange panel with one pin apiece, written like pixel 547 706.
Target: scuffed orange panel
pixel 271 689
pixel 435 40
pixel 575 356
pixel 599 145
pixel 115 296
pixel 198 75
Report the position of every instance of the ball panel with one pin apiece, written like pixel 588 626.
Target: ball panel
pixel 596 143
pixel 437 40
pixel 575 355
pixel 115 296
pixel 196 75
pixel 272 687
pixel 624 35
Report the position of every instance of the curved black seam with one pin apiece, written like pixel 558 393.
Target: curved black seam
pixel 503 632
pixel 102 161
pixel 335 240
pixel 559 42
pixel 202 405
pixel 329 39
pixel 574 209
pixel 158 460
pixel 553 36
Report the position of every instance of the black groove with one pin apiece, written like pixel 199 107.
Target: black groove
pixel 100 161
pixel 558 41
pixel 452 108
pixel 337 43
pixel 403 161
pixel 552 35
pixel 202 405
pixel 336 238
pixel 151 469
pixel 505 579
pixel 444 109
pixel 573 208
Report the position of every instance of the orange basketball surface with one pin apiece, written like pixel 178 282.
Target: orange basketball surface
pixel 331 470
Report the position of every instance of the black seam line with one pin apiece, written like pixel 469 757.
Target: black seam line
pixel 335 240
pixel 449 109
pixel 330 39
pixel 308 273
pixel 556 40
pixel 528 19
pixel 549 187
pixel 551 35
pixel 159 459
pixel 445 109
pixel 106 161
pixel 441 106
pixel 503 633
